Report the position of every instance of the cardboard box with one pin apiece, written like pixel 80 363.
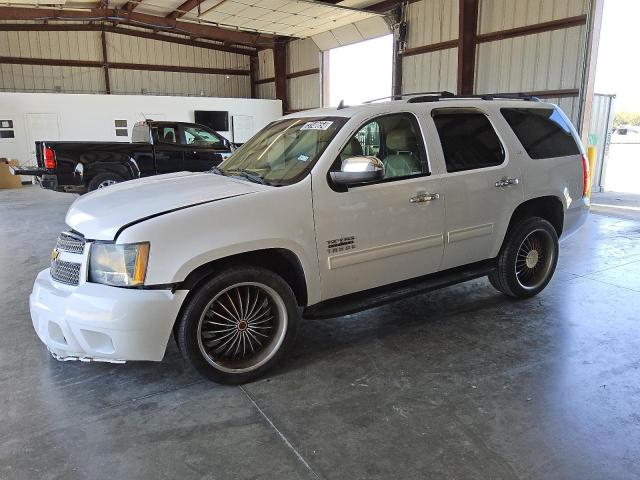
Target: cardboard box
pixel 8 179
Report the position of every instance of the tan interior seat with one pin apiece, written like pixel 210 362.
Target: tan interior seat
pixel 402 159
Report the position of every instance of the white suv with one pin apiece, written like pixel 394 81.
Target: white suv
pixel 321 213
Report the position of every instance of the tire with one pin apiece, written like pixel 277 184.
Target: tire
pixel 103 180
pixel 527 259
pixel 238 325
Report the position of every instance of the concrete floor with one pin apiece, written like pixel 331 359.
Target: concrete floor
pixel 461 383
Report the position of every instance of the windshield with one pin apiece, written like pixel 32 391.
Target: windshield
pixel 283 152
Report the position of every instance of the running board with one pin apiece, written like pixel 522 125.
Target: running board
pixel 375 297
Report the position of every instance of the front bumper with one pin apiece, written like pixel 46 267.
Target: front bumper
pixel 103 323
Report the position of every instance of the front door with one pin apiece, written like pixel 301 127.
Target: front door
pixel 204 149
pixel 481 188
pixel 168 150
pixel 376 234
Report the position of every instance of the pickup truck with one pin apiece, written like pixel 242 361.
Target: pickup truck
pixel 322 213
pixel 156 148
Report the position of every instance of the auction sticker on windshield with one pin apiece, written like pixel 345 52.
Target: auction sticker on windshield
pixel 321 125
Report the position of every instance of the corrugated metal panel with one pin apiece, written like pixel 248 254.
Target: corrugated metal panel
pixel 266 90
pixel 120 48
pixel 600 128
pixel 172 83
pixel 302 55
pixel 304 92
pixel 44 44
pixel 432 21
pixel 56 45
pixel 430 71
pixel 546 61
pixel 495 15
pixel 429 22
pixel 265 64
pixel 35 78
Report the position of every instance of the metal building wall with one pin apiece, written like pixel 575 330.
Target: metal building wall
pixel 303 92
pixel 51 45
pixel 431 22
pixel 545 61
pixel 86 45
pixel 121 48
pixel 265 71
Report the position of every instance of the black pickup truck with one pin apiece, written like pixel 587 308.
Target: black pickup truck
pixel 156 147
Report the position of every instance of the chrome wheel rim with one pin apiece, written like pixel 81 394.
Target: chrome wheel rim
pixel 106 183
pixel 242 327
pixel 534 259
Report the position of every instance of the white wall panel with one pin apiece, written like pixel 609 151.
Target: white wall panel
pixel 495 15
pixel 302 55
pixel 265 64
pixel 545 61
pixel 91 117
pixel 435 71
pixel 432 21
pixel 304 92
pixel 120 48
pixel 266 90
pixel 429 22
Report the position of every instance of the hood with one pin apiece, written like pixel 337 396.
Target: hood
pixel 99 215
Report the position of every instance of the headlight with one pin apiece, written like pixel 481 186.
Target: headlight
pixel 118 265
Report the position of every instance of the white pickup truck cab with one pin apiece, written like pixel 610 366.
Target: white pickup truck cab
pixel 322 213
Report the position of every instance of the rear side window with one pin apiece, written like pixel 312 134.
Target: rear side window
pixel 468 141
pixel 543 132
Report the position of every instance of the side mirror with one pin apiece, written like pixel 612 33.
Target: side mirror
pixel 358 170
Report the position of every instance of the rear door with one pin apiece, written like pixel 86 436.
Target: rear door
pixel 481 187
pixel 204 149
pixel 169 153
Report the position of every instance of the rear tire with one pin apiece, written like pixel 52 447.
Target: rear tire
pixel 527 259
pixel 103 180
pixel 238 325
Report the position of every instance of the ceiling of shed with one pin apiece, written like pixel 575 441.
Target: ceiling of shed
pixel 291 18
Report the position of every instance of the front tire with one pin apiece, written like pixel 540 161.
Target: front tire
pixel 238 325
pixel 527 259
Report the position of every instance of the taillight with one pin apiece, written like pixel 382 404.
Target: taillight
pixel 49 158
pixel 585 175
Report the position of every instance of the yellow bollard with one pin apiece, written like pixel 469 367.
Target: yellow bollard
pixel 591 155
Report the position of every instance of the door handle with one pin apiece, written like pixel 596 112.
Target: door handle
pixel 507 182
pixel 424 197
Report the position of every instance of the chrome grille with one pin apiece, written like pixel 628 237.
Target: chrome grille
pixel 68 242
pixel 65 272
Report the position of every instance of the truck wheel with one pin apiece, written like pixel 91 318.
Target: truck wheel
pixel 527 259
pixel 103 180
pixel 238 325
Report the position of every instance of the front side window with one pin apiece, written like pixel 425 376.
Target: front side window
pixel 396 140
pixel 468 140
pixel 284 151
pixel 198 137
pixel 168 134
pixel 543 132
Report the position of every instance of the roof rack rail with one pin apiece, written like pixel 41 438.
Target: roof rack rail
pixel 402 95
pixel 484 96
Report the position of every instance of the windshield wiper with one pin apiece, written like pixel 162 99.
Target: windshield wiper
pixel 252 177
pixel 217 171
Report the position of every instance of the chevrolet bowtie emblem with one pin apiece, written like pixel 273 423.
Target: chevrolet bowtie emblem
pixel 55 253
